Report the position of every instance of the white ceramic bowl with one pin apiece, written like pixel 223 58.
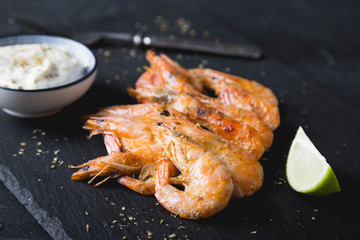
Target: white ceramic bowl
pixel 44 102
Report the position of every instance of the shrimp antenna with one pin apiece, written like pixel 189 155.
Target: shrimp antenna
pixel 122 167
pixel 91 180
pixel 102 181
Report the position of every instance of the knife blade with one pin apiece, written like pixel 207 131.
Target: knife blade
pixel 92 37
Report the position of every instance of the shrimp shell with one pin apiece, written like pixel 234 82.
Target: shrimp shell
pixel 200 167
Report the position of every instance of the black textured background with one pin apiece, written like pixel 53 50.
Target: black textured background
pixel 311 63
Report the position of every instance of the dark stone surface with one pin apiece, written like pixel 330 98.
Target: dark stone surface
pixel 312 55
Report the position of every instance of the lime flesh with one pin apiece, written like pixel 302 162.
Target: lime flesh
pixel 307 170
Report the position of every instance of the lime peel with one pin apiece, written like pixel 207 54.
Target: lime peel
pixel 307 170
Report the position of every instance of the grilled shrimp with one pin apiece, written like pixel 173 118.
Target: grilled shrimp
pixel 246 172
pixel 180 136
pixel 246 117
pixel 201 76
pixel 169 74
pixel 242 93
pixel 214 120
pixel 198 167
pixel 242 134
pixel 151 87
pixel 150 93
pixel 161 80
pixel 166 77
pixel 124 135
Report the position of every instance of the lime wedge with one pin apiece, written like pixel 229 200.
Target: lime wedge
pixel 307 170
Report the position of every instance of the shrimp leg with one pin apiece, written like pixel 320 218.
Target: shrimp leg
pixel 146 183
pixel 143 187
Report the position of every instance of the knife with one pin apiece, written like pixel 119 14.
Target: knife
pixel 91 37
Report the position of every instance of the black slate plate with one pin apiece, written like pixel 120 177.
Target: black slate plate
pixel 300 48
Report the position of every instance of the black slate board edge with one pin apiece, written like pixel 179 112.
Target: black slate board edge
pixel 51 225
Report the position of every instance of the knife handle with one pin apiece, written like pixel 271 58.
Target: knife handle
pixel 225 49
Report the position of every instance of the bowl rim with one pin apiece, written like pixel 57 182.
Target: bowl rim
pixel 87 75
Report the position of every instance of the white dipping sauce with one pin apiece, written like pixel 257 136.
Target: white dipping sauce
pixel 36 66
